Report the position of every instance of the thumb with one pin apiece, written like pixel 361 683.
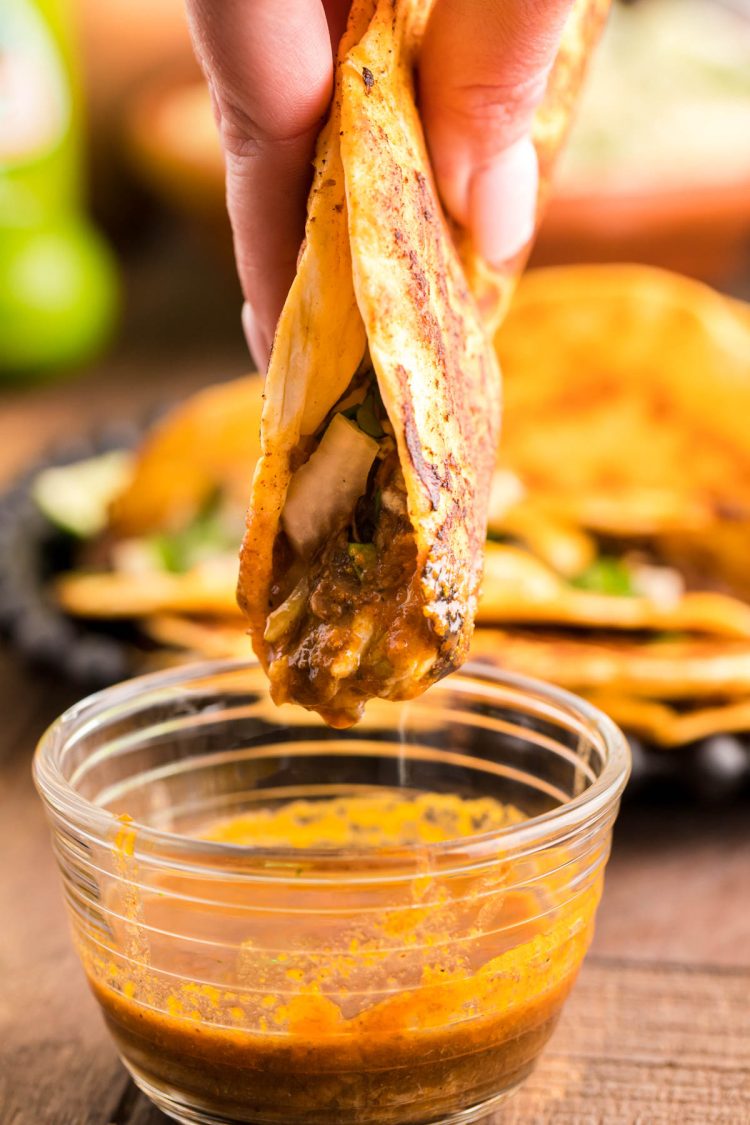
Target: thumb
pixel 483 72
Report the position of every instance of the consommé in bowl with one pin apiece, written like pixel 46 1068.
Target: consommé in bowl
pixel 287 923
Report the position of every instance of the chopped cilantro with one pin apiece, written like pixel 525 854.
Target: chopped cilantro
pixel 363 556
pixel 205 536
pixel 607 575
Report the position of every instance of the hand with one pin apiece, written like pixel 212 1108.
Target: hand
pixel 269 66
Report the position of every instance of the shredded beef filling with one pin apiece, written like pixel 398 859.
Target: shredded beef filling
pixel 361 631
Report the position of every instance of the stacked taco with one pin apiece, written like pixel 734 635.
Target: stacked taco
pixel 620 531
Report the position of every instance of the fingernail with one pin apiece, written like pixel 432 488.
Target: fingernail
pixel 256 338
pixel 502 205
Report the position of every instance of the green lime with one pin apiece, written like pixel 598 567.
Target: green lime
pixel 58 298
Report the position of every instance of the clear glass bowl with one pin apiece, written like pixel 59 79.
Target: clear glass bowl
pixel 393 947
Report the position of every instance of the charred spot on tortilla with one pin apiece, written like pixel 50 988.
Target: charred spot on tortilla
pixel 368 78
pixel 426 472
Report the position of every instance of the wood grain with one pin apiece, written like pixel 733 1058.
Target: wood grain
pixel 678 884
pixel 56 1066
pixel 646 1043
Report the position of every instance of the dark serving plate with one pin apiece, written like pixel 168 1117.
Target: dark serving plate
pixel 32 550
pixel 95 655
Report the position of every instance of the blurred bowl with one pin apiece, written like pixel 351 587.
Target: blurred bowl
pixel 124 43
pixel 702 232
pixel 657 169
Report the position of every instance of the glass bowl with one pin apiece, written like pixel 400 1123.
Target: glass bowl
pixel 285 923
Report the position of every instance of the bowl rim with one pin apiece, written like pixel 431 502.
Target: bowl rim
pixel 100 825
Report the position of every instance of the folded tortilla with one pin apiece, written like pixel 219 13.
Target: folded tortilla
pixel 206 444
pixel 363 552
pixel 205 589
pixel 519 587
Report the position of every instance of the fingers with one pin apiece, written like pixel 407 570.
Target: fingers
pixel 269 68
pixel 483 72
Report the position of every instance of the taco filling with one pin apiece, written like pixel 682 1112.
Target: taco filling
pixel 347 554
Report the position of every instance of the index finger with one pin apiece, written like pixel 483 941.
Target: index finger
pixel 269 67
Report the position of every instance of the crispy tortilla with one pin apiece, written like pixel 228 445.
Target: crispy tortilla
pixel 114 595
pixel 660 668
pixel 669 727
pixel 205 638
pixel 517 587
pixel 627 393
pixel 567 549
pixel 393 632
pixel 208 443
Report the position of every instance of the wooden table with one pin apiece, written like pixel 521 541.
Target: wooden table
pixel 658 1028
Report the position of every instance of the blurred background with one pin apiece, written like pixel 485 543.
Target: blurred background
pixel 118 295
pixel 115 255
pixel 627 551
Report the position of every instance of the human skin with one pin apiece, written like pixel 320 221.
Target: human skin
pixel 269 68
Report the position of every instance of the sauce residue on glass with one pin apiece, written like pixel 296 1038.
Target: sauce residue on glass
pixel 359 998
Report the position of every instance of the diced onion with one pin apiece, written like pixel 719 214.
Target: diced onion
pixel 324 491
pixel 662 585
pixel 284 617
pixel 135 556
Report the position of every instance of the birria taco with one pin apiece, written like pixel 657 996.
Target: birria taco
pixel 363 552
